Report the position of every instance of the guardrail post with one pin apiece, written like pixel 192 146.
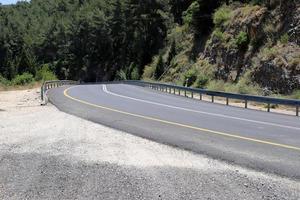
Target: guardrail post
pixel 227 101
pixel 42 93
pixel 297 111
pixel 179 92
pixel 246 103
pixel 212 98
pixel 192 95
pixel 200 96
pixel 185 93
pixel 174 91
pixel 269 107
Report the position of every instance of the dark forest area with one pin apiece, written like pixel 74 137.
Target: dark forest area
pixel 96 40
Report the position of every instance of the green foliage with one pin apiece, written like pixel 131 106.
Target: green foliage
pixel 201 81
pixel 189 16
pixel 85 40
pixel 23 79
pixel 295 95
pixel 284 39
pixel 222 16
pixel 135 74
pixel 242 40
pixel 121 75
pixel 190 77
pixel 3 81
pixel 44 74
pixel 160 67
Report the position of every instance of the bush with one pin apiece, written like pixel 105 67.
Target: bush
pixel 23 79
pixel 160 68
pixel 135 74
pixel 222 16
pixel 216 85
pixel 190 77
pixel 121 75
pixel 189 14
pixel 201 81
pixel 3 81
pixel 284 39
pixel 296 94
pixel 242 40
pixel 44 74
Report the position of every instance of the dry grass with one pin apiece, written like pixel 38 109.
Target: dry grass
pixel 20 87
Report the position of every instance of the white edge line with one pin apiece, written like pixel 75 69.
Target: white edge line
pixel 199 112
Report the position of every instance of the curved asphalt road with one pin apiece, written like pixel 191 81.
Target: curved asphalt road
pixel 263 141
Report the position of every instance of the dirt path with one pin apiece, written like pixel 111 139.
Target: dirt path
pixel 47 154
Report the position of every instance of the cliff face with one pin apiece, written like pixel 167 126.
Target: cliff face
pixel 255 45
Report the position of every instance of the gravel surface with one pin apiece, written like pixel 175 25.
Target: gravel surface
pixel 47 154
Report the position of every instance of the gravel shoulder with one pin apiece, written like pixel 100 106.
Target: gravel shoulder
pixel 47 154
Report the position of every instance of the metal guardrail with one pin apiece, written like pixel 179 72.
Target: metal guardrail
pixel 54 84
pixel 174 89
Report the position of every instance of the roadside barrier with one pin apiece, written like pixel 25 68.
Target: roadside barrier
pixel 179 90
pixel 53 84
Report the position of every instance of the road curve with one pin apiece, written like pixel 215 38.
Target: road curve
pixel 263 141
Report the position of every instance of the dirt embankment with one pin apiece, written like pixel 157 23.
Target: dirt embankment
pixel 47 154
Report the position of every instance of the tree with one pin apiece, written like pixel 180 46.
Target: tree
pixel 159 69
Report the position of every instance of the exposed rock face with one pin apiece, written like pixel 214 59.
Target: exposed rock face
pixel 294 29
pixel 278 68
pixel 232 59
pixel 271 48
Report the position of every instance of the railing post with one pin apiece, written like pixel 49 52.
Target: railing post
pixel 174 90
pixel 246 103
pixel 200 96
pixel 212 98
pixel 297 111
pixel 185 93
pixel 227 101
pixel 179 92
pixel 192 95
pixel 269 107
pixel 42 93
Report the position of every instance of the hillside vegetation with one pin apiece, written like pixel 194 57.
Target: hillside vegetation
pixel 245 46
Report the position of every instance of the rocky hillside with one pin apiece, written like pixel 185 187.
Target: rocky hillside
pixel 250 48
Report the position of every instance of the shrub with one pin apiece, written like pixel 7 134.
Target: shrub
pixel 190 77
pixel 296 94
pixel 44 74
pixel 121 75
pixel 216 85
pixel 284 39
pixel 3 81
pixel 135 74
pixel 160 67
pixel 23 79
pixel 242 40
pixel 201 81
pixel 188 15
pixel 222 16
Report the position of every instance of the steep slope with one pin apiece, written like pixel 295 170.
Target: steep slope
pixel 252 48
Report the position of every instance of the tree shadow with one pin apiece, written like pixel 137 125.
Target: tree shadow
pixel 42 176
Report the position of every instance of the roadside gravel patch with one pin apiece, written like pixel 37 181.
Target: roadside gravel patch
pixel 47 154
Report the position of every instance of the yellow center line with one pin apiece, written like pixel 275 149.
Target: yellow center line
pixel 182 125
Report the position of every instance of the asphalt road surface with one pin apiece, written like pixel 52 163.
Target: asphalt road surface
pixel 262 141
